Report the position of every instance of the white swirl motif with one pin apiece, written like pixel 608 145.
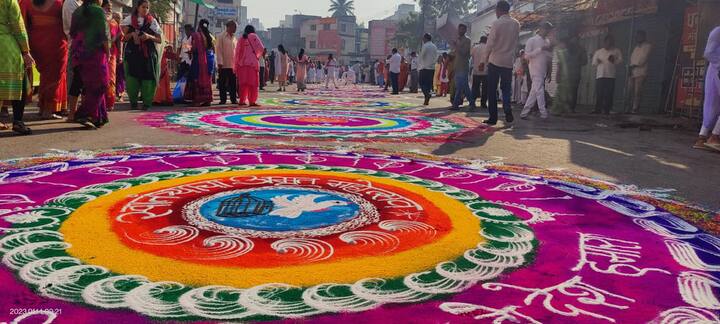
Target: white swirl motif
pixel 110 292
pixel 264 299
pixel 405 226
pixel 68 283
pixel 687 315
pixel 12 241
pixel 34 272
pixel 22 255
pixel 146 299
pixel 336 298
pixel 697 289
pixel 222 247
pixel 374 289
pixel 207 302
pixel 170 235
pixel 386 241
pixel 309 249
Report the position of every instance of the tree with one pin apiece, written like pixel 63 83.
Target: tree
pixel 437 8
pixel 162 9
pixel 342 8
pixel 407 35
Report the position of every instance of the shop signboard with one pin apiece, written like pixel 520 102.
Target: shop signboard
pixel 691 72
pixel 612 11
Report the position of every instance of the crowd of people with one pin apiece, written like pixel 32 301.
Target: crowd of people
pixel 89 57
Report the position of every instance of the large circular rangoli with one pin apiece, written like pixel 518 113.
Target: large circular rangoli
pixel 317 124
pixel 230 233
pixel 346 92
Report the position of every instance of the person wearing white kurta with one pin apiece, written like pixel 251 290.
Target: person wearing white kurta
pixel 638 68
pixel 539 53
pixel 711 107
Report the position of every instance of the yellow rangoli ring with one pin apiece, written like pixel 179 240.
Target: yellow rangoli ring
pixel 89 232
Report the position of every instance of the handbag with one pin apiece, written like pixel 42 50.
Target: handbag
pixel 178 94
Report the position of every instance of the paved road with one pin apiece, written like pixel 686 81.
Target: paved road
pixel 589 145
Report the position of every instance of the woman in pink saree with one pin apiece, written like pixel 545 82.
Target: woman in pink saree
pixel 249 48
pixel 201 68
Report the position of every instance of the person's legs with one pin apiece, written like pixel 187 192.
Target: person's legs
pixel 132 86
pixel 148 92
pixel 493 79
pixel 18 107
pixel 414 75
pixel 476 86
pixel 484 90
pixel 506 88
pixel 599 95
pixel 262 79
pixel 573 96
pixel 395 82
pixel 711 105
pixel 637 83
pixel 610 91
pixel 222 86
pixel 533 98
pixel 540 81
pixel 74 92
pixel 232 86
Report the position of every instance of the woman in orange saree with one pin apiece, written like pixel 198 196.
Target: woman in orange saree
pixel 49 47
pixel 163 93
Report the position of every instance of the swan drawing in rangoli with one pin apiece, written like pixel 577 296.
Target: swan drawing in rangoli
pixel 294 207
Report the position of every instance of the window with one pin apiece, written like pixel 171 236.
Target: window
pixel 343 28
pixel 313 27
pixel 326 26
pixel 313 44
pixel 343 44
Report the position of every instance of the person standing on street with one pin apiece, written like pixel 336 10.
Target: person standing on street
pixel 538 52
pixel 711 107
pixel 414 74
pixel 248 51
pixel 261 62
pixel 142 31
pixel 606 60
pixel 15 62
pixel 461 51
pixel 49 48
pixel 395 61
pixel 501 47
pixel 638 68
pixel 225 52
pixel 68 8
pixel 427 60
pixel 479 83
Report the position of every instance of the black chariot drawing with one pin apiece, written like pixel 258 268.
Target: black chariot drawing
pixel 244 205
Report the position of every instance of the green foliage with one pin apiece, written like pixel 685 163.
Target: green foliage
pixel 437 8
pixel 341 8
pixel 162 9
pixel 408 32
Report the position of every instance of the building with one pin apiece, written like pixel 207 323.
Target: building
pixel 331 35
pixel 288 37
pixel 256 23
pixel 403 11
pixel 224 11
pixel 380 38
pixel 243 20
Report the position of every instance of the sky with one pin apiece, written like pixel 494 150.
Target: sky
pixel 271 11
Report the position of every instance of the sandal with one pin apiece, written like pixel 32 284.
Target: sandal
pixel 713 146
pixel 87 123
pixel 20 128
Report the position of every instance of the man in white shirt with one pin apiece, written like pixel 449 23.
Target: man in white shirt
pixel 606 60
pixel 479 83
pixel 395 61
pixel 538 52
pixel 501 47
pixel 225 57
pixel 711 107
pixel 185 51
pixel 428 59
pixel 414 72
pixel 638 68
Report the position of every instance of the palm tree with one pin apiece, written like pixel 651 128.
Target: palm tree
pixel 341 8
